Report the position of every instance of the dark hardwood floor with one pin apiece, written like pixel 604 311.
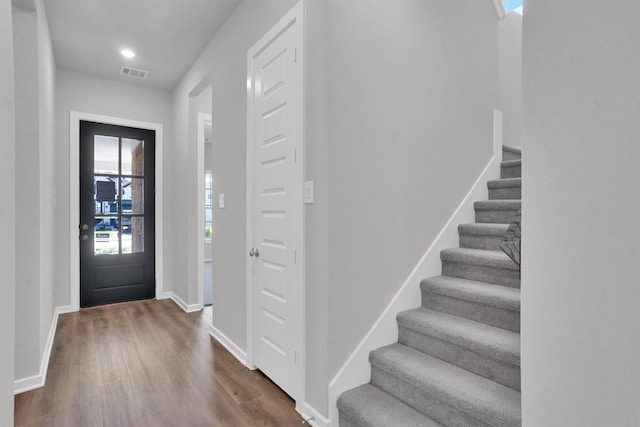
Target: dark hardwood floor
pixel 148 364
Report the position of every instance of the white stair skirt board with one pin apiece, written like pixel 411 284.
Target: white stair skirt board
pixel 357 370
pixel 22 385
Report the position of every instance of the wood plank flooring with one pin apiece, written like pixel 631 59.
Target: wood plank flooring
pixel 147 363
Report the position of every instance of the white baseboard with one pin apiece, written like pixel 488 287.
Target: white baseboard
pixel 305 410
pixel 231 347
pixel 356 370
pixel 312 416
pixel 33 382
pixel 187 308
pixel 22 385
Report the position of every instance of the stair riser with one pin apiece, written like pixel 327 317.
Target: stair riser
pixel 509 193
pixel 482 273
pixel 422 400
pixel 369 406
pixel 476 241
pixel 510 155
pixel 511 172
pixel 506 216
pixel 483 365
pixel 493 316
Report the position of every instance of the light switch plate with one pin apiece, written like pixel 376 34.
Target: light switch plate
pixel 221 201
pixel 308 192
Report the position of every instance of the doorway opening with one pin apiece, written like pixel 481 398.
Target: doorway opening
pixel 208 214
pixel 74 199
pixel 203 230
pixel 117 192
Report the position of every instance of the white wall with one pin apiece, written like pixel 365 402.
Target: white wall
pixel 7 216
pixel 511 78
pixel 581 250
pixel 35 75
pixel 412 86
pixel 388 86
pixel 223 62
pixel 27 189
pixel 46 111
pixel 79 92
pixel 317 215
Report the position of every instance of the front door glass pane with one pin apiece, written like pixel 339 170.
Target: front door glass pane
pixel 132 157
pixel 105 154
pixel 133 196
pixel 132 234
pixel 105 195
pixel 106 235
pixel 118 195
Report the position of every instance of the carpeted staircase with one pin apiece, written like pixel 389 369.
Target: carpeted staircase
pixel 457 359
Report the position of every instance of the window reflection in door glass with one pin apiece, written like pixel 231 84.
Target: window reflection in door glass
pixel 132 157
pixel 105 154
pixel 106 236
pixel 105 195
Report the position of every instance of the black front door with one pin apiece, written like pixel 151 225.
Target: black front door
pixel 117 218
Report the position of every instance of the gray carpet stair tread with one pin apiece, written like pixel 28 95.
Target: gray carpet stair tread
pixel 479 257
pixel 511 169
pixel 505 183
pixel 483 399
pixel 471 290
pixel 511 163
pixel 487 340
pixel 483 229
pixel 511 153
pixel 368 405
pixel 497 205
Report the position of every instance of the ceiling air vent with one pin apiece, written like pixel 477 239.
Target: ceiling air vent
pixel 132 72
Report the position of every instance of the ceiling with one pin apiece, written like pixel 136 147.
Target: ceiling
pixel 166 35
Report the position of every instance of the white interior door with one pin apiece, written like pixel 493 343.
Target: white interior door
pixel 275 191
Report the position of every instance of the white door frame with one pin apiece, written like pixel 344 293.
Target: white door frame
pixel 74 197
pixel 295 15
pixel 202 118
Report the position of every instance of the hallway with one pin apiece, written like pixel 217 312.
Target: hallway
pixel 147 363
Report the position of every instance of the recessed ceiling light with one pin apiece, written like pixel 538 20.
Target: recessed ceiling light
pixel 127 53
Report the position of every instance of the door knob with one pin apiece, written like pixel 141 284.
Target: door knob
pixel 252 252
pixel 256 253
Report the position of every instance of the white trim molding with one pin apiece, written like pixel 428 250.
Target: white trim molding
pixel 201 240
pixel 228 344
pixel 74 194
pixel 187 308
pixel 357 370
pixel 311 416
pixel 36 381
pixel 499 8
